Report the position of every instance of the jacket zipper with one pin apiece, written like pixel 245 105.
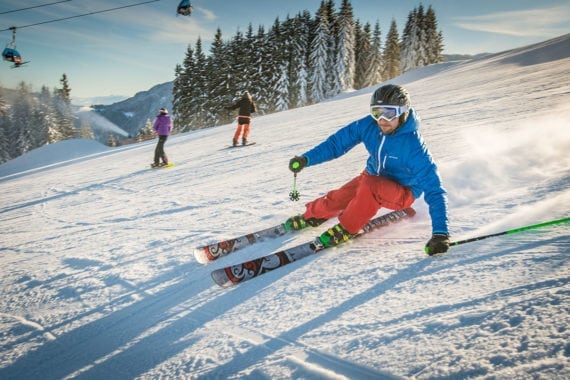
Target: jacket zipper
pixel 381 164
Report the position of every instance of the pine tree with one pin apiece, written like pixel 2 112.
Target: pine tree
pixel 364 56
pixel 280 101
pixel 292 57
pixel 261 59
pixel 319 57
pixel 85 130
pixel 199 91
pixel 5 123
pixel 218 82
pixel 146 132
pixel 112 141
pixel 64 112
pixel 22 118
pixel 50 117
pixel 345 53
pixel 409 44
pixel 305 27
pixel 273 68
pixel 178 96
pixel 434 38
pixel 421 43
pixel 421 38
pixel 238 65
pixel 282 89
pixel 332 78
pixel 41 119
pixel 376 72
pixel 182 89
pixel 251 62
pixel 392 53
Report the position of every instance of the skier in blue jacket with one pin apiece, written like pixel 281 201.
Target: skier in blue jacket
pixel 399 170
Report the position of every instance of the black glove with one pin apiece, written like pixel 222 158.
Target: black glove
pixel 297 164
pixel 439 243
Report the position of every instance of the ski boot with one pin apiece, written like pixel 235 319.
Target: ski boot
pixel 298 222
pixel 235 142
pixel 244 141
pixel 334 236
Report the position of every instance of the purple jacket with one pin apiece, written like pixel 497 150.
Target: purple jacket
pixel 162 125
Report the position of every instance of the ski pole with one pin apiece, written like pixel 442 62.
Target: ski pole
pixel 514 230
pixel 294 194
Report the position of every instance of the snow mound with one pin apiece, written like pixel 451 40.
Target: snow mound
pixel 47 155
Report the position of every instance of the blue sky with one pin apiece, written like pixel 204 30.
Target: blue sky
pixel 132 49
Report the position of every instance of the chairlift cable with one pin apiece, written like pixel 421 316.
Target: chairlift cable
pixel 36 6
pixel 81 15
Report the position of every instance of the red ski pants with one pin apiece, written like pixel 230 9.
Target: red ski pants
pixel 239 129
pixel 243 123
pixel 358 201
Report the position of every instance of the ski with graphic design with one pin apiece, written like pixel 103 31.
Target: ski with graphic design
pixel 214 251
pixel 238 273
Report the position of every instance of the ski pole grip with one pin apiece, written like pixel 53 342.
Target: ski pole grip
pixel 297 163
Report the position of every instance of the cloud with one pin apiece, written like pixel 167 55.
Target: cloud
pixel 167 27
pixel 178 31
pixel 547 22
pixel 208 14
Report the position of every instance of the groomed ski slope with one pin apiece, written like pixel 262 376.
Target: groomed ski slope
pixel 98 278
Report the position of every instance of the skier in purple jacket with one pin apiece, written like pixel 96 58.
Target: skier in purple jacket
pixel 162 127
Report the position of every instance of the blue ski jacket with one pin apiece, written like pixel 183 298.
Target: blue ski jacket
pixel 401 156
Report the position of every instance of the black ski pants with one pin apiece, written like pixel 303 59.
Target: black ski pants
pixel 159 151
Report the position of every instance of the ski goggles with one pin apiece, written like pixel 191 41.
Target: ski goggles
pixel 387 113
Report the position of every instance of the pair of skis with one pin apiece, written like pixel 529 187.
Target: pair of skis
pixel 238 273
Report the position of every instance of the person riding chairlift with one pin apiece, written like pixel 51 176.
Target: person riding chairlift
pixel 12 55
pixel 184 8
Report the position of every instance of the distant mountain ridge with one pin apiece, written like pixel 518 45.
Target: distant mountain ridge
pixel 104 100
pixel 131 114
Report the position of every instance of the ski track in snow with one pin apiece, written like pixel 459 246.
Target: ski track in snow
pixel 98 278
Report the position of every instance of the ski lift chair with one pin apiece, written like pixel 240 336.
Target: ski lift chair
pixel 184 8
pixel 10 53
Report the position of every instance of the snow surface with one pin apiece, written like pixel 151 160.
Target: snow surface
pixel 99 281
